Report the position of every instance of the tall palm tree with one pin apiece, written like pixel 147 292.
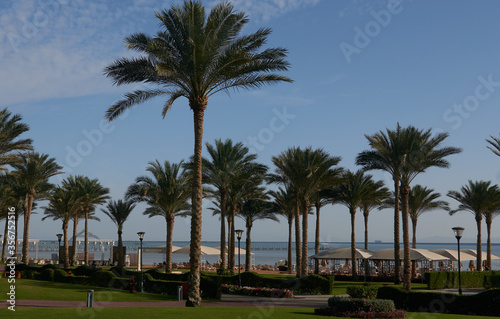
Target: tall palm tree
pixel 374 198
pixel 7 199
pixel 62 206
pixel 354 186
pixel 307 171
pixel 119 211
pixel 284 204
pixel 252 210
pixel 195 56
pixel 385 155
pixel 225 162
pixel 411 151
pixel 10 129
pixel 489 214
pixel 494 145
pixel 33 171
pixel 90 193
pixel 166 194
pixel 478 198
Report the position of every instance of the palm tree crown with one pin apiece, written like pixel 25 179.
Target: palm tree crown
pixel 10 129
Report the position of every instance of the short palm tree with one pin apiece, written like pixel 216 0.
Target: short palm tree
pixel 251 211
pixel 494 145
pixel 33 172
pixel 62 206
pixel 477 197
pixel 89 193
pixel 353 187
pixel 119 211
pixel 226 160
pixel 374 198
pixel 10 129
pixel 195 56
pixel 283 204
pixel 166 194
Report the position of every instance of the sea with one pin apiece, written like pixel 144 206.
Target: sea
pixel 264 253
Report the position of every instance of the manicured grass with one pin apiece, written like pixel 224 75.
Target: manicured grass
pixel 45 290
pixel 189 313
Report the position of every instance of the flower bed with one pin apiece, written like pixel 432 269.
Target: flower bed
pixel 260 292
pixel 360 308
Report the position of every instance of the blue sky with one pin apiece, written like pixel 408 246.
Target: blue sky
pixel 358 66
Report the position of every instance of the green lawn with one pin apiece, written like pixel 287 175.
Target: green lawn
pixel 45 290
pixel 188 313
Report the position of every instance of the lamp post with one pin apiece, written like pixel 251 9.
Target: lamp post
pixel 458 234
pixel 238 235
pixel 141 237
pixel 59 236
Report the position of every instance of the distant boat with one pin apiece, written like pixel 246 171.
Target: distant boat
pixel 378 242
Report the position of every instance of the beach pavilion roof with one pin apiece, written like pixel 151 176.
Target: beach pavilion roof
pixel 473 252
pixel 415 254
pixel 342 253
pixel 205 250
pixel 453 254
pixel 159 249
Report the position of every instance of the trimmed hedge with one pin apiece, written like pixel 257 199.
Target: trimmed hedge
pixel 60 275
pixel 343 304
pixel 492 281
pixel 365 291
pixel 46 274
pixel 102 278
pixel 83 271
pixel 449 279
pixel 483 304
pixel 315 284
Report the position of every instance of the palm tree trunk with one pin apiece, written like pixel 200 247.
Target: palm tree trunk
pixel 222 229
pixel 405 191
pixel 290 243
pixel 86 246
pixel 354 269
pixel 73 247
pixel 365 215
pixel 170 232
pixel 316 241
pixel 488 245
pixel 194 297
pixel 248 247
pixel 5 237
pixel 229 224
pixel 479 262
pixel 414 245
pixel 66 248
pixel 397 259
pixel 304 270
pixel 231 258
pixel 27 215
pixel 120 248
pixel 297 236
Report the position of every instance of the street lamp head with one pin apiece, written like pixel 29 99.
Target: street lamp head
pixel 141 235
pixel 458 232
pixel 59 236
pixel 238 232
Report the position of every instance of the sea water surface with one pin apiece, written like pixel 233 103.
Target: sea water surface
pixel 264 253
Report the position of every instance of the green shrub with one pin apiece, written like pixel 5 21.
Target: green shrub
pixel 47 266
pixel 223 272
pixel 46 274
pixel 342 304
pixel 60 275
pixel 83 271
pixel 102 278
pixel 364 291
pixel 315 284
pixel 483 304
pixel 157 286
pixel 78 280
pixel 492 281
pixel 449 279
pixel 211 287
pixel 29 274
pixel 157 274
